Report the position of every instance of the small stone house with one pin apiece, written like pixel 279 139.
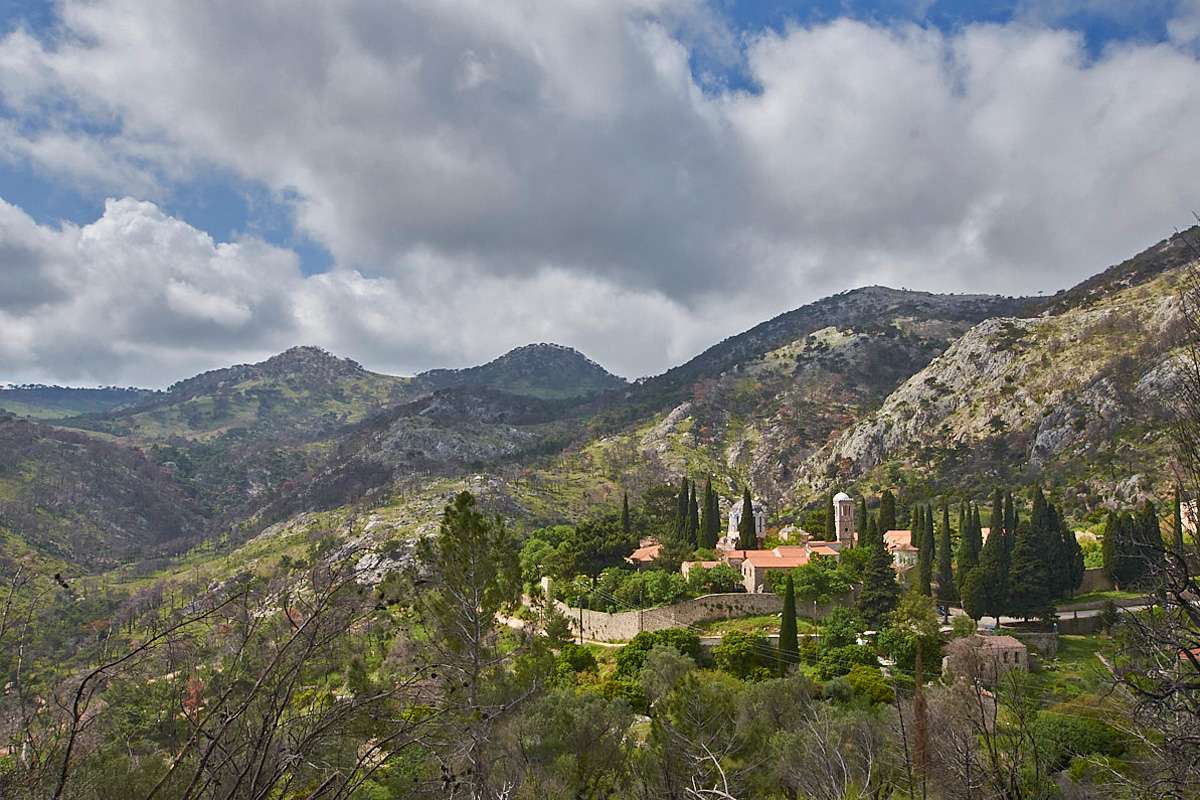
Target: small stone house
pixel 985 658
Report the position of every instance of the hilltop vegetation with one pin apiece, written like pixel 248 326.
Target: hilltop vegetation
pixel 54 402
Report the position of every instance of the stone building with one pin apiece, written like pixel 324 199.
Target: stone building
pixel 843 519
pixel 985 658
pixel 900 545
pixel 735 519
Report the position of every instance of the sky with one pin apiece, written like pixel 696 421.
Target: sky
pixel 187 185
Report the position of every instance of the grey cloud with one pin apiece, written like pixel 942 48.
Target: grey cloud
pixel 487 174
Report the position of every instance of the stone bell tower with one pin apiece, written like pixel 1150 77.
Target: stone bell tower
pixel 843 518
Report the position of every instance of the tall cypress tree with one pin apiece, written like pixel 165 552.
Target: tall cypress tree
pixel 747 536
pixel 715 532
pixel 860 521
pixel 1149 540
pixel 1031 572
pixel 789 641
pixel 710 517
pixel 970 542
pixel 996 522
pixel 1110 547
pixel 692 531
pixel 947 589
pixel 992 583
pixel 922 539
pixel 626 524
pixel 1124 557
pixel 830 519
pixel 880 591
pixel 682 509
pixel 930 535
pixel 887 512
pixel 1073 575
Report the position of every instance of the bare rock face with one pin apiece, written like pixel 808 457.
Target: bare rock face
pixel 1065 392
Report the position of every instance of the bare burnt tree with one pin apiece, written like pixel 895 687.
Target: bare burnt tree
pixel 1160 664
pixel 238 679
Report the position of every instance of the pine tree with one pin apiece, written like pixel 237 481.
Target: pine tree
pixel 789 641
pixel 947 589
pixel 747 536
pixel 830 519
pixel 880 591
pixel 626 525
pixel 887 512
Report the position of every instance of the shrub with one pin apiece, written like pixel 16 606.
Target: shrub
pixel 962 625
pixel 721 578
pixel 837 661
pixel 632 657
pixel 745 655
pixel 840 628
pixel 577 657
pixel 1062 736
pixel 870 685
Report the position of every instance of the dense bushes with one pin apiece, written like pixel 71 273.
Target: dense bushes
pixel 620 589
pixel 748 656
pixel 721 578
pixel 1061 736
pixel 632 657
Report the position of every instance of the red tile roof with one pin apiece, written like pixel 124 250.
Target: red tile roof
pixel 773 560
pixel 898 540
pixel 644 555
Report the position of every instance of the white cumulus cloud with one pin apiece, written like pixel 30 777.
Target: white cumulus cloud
pixel 486 174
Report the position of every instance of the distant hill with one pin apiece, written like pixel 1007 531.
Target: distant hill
pixel 88 501
pixel 544 371
pixel 55 402
pixel 869 388
pixel 302 392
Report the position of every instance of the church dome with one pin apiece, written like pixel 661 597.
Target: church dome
pixel 840 496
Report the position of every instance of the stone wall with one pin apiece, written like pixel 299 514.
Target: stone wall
pixel 624 625
pixel 1094 580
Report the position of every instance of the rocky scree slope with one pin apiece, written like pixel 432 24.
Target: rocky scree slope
pixel 1078 396
pixel 756 406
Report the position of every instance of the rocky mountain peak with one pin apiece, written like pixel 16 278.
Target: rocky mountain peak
pixel 543 370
